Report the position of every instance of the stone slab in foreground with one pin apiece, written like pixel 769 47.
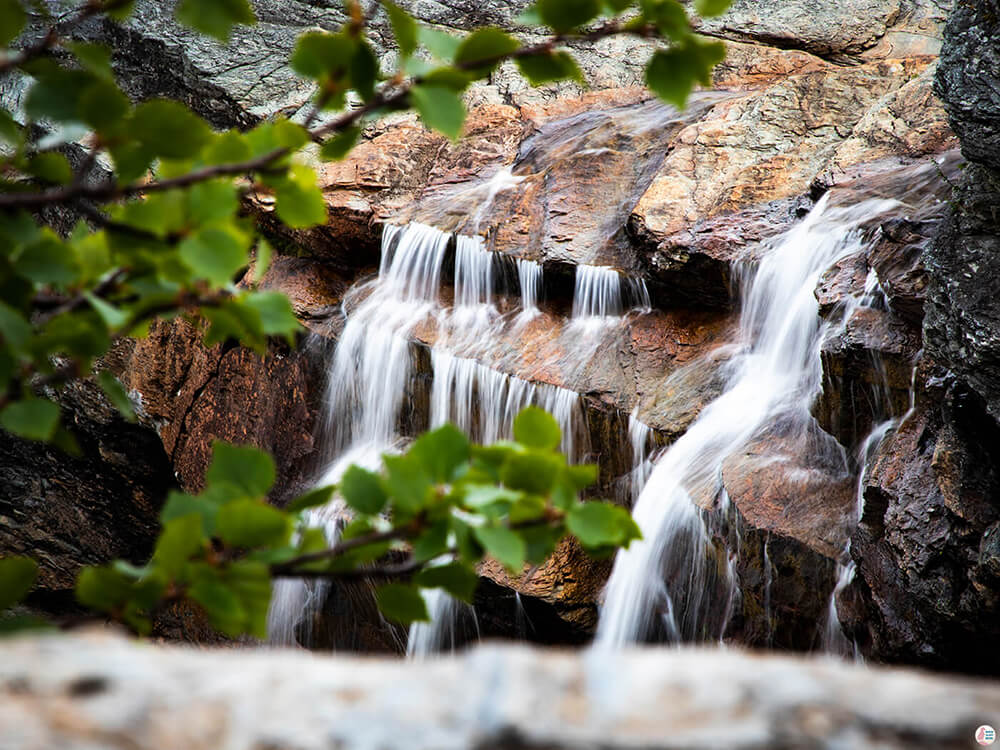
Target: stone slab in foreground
pixel 102 691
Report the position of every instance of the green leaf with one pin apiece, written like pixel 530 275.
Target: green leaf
pixel 180 539
pixel 566 15
pixel 540 542
pixel 711 8
pixel 213 200
pixel 318 54
pixel 439 43
pixel 47 261
pixel 262 260
pixel 442 452
pixel 536 428
pixel 440 108
pixel 480 496
pixel 180 504
pixel 669 16
pixel 219 600
pixel 458 580
pixel 599 525
pixel 32 418
pixel 93 56
pixel 340 145
pixel 103 588
pixel 252 523
pixel 532 472
pixel 12 19
pixel 364 71
pixel 401 603
pixel 56 95
pixel 250 581
pixel 276 315
pixel 432 542
pixel 169 129
pixel 14 329
pixel 582 475
pixel 672 74
pixel 215 253
pixel 50 166
pixel 111 315
pixel 482 50
pixel 215 17
pixel 404 28
pixel 299 201
pixel 116 394
pixel 547 67
pixel 503 545
pixel 312 498
pixel 17 576
pixel 363 490
pixel 104 107
pixel 248 468
pixel 408 482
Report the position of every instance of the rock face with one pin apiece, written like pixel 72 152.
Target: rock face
pixel 81 692
pixel 59 509
pixel 926 547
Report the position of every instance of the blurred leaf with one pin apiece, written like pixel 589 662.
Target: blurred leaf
pixel 212 200
pixel 215 253
pixel 441 452
pixel 243 466
pixel 408 482
pixel 432 542
pixel 111 315
pixel 404 28
pixel 401 603
pixel 457 579
pixel 566 15
pixel 481 51
pixel 17 576
pixel 276 315
pixel 503 545
pixel 340 145
pixel 319 53
pixel 56 95
pixel 93 56
pixel 532 472
pixel 252 523
pixel 312 498
pixel 364 71
pixel 440 108
pixel 12 19
pixel 440 44
pixel 180 504
pixel 219 600
pixel 262 260
pixel 116 394
pixel 536 428
pixel 598 524
pixel 50 166
pixel 181 538
pixel 215 17
pixel 169 129
pixel 363 490
pixel 102 588
pixel 47 261
pixel 32 418
pixel 299 201
pixel 711 8
pixel 547 67
pixel 104 107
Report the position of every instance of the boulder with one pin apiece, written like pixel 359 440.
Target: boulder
pixel 81 691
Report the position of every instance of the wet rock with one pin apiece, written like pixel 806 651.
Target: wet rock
pixel 60 509
pixel 491 697
pixel 962 319
pixel 968 79
pixel 924 544
pixel 194 395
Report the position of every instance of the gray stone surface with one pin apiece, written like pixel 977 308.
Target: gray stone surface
pixel 83 693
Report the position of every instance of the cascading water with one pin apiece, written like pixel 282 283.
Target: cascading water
pixel 671 584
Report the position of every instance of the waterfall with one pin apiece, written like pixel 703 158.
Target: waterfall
pixel 672 583
pixel 529 276
pixel 597 292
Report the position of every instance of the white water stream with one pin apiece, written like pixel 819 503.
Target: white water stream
pixel 671 583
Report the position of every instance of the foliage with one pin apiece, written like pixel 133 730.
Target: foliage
pixel 163 231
